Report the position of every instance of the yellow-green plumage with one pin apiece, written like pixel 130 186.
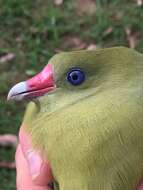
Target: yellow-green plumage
pixel 92 134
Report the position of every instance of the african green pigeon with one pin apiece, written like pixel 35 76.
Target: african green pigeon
pixel 87 118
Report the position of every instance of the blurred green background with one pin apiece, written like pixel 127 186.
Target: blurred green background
pixel 33 31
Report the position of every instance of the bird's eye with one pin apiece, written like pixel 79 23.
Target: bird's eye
pixel 75 76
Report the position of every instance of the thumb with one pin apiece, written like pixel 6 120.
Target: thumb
pixel 39 168
pixel 23 179
pixel 140 185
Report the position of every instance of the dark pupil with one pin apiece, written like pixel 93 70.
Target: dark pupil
pixel 75 76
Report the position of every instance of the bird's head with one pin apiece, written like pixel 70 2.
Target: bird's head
pixel 77 72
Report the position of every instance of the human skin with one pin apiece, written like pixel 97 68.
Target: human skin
pixel 33 172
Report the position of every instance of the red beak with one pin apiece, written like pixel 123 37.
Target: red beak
pixel 35 87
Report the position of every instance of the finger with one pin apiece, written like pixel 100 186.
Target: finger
pixel 39 168
pixel 140 185
pixel 23 180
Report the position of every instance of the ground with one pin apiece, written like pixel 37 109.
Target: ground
pixel 32 31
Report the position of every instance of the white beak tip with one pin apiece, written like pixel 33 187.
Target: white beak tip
pixel 15 92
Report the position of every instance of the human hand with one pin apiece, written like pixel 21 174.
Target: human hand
pixel 33 172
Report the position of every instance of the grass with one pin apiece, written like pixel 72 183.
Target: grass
pixel 34 30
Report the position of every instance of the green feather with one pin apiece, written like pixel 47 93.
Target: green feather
pixel 92 134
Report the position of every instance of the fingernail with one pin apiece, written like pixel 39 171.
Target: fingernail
pixel 35 163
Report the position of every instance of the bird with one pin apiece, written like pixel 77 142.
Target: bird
pixel 86 115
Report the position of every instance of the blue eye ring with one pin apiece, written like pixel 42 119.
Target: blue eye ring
pixel 75 76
